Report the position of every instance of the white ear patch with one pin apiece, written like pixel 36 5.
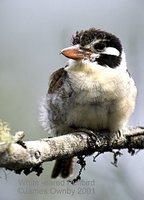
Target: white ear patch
pixel 111 51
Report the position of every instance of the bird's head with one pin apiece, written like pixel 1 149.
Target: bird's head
pixel 96 46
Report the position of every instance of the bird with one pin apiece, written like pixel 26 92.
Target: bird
pixel 93 91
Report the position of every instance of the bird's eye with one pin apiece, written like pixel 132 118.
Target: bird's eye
pixel 99 46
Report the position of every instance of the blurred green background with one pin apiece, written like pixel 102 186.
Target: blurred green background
pixel 32 33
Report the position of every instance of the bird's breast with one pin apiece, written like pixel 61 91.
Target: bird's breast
pixel 91 116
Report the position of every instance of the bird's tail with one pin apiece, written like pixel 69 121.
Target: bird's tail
pixel 63 167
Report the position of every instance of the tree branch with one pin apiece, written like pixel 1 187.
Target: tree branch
pixel 26 155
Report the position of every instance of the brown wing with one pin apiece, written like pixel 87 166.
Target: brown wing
pixel 56 80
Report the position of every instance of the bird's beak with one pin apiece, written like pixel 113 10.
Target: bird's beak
pixel 75 53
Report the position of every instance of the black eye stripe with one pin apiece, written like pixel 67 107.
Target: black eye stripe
pixel 109 60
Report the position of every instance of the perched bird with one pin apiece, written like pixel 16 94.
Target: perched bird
pixel 93 91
